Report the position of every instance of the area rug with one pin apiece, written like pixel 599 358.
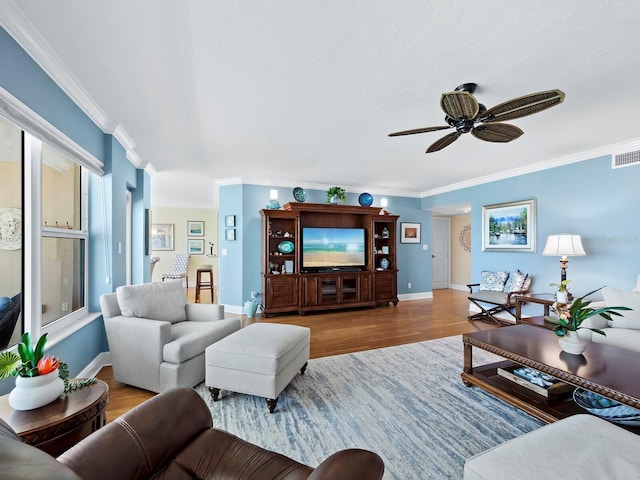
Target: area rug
pixel 406 403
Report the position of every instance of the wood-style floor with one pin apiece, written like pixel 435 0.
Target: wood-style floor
pixel 347 331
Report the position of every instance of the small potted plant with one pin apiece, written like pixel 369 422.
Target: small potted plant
pixel 562 295
pixel 336 194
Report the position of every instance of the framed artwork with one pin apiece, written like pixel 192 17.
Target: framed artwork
pixel 162 236
pixel 409 232
pixel 509 227
pixel 230 221
pixel 195 228
pixel 195 246
pixel 230 234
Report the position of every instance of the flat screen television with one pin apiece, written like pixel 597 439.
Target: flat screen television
pixel 333 249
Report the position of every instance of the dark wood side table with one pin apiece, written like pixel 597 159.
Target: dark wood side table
pixel 546 299
pixel 58 426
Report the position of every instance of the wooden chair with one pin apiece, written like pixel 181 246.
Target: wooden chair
pixel 492 302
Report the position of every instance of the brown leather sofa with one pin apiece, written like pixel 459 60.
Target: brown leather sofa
pixel 167 437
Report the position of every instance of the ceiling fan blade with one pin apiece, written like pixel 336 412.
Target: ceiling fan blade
pixel 459 104
pixel 496 132
pixel 523 106
pixel 443 142
pixel 419 130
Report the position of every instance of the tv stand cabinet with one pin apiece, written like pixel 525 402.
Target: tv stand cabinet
pixel 286 288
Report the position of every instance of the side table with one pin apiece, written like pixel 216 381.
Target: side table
pixel 546 299
pixel 58 426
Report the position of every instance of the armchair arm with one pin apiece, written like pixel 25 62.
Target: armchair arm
pixel 471 285
pixel 204 312
pixel 351 464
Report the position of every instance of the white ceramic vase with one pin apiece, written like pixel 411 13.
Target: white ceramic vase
pixel 36 392
pixel 562 297
pixel 572 343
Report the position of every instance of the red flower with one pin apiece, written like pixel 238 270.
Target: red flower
pixel 47 365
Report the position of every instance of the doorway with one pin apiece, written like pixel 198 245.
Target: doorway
pixel 440 252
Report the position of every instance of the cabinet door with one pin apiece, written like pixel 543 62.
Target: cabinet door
pixel 310 288
pixel 282 291
pixel 385 286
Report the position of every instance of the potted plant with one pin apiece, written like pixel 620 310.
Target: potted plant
pixel 562 295
pixel 336 194
pixel 571 317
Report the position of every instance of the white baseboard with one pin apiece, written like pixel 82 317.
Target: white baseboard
pixel 455 286
pixel 415 296
pixel 102 360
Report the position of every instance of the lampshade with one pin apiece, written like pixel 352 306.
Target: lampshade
pixel 564 245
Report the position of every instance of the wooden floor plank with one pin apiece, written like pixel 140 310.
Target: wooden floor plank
pixel 347 331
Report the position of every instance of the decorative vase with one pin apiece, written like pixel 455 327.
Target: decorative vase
pixel 384 263
pixel 36 392
pixel 250 308
pixel 562 297
pixel 572 343
pixel 333 199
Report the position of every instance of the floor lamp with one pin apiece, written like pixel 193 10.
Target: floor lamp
pixel 564 245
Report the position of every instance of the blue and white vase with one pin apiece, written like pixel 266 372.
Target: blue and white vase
pixel 384 263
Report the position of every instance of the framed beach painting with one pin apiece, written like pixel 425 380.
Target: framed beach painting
pixel 509 227
pixel 162 236
pixel 196 246
pixel 195 228
pixel 409 232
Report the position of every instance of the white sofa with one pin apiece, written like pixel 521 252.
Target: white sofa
pixel 156 339
pixel 623 332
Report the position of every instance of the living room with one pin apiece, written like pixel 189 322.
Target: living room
pixel 577 192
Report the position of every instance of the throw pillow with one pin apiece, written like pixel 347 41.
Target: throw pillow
pixel 493 281
pixel 5 302
pixel 622 298
pixel 515 282
pixel 157 301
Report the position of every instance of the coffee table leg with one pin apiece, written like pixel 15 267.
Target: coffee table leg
pixel 468 362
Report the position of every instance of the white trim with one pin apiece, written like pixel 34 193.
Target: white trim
pixel 103 359
pixel 415 296
pixel 455 286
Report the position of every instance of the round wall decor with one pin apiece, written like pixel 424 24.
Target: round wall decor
pixel 465 238
pixel 10 228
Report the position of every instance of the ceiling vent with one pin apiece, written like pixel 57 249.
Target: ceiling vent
pixel 626 159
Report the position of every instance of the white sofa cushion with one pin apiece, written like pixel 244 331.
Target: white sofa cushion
pixel 190 339
pixel 156 301
pixel 614 297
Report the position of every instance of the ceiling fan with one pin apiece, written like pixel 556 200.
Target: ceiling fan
pixel 465 114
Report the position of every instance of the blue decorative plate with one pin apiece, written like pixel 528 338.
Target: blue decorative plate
pixel 299 194
pixel 365 199
pixel 285 247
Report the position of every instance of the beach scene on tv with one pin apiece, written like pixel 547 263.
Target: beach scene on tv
pixel 332 247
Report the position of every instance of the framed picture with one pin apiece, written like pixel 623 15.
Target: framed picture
pixel 509 227
pixel 230 221
pixel 409 232
pixel 230 234
pixel 195 228
pixel 162 236
pixel 195 246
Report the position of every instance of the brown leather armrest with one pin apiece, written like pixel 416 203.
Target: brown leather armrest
pixel 351 464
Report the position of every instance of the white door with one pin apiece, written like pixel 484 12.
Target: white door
pixel 440 252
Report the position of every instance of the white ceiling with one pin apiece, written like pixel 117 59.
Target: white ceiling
pixel 300 92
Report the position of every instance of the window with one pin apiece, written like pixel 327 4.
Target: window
pixel 43 185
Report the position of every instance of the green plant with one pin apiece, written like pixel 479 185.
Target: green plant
pixel 29 362
pixel 570 317
pixel 337 192
pixel 562 286
pixel 70 385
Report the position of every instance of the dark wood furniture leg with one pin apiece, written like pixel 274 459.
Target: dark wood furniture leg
pixel 215 393
pixel 468 362
pixel 304 368
pixel 271 403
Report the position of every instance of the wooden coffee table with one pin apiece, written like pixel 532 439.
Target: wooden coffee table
pixel 58 426
pixel 607 370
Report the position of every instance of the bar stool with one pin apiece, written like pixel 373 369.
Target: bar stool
pixel 200 284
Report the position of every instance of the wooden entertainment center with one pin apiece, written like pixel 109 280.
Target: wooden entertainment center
pixel 287 287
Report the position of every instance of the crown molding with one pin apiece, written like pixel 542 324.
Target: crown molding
pixel 16 23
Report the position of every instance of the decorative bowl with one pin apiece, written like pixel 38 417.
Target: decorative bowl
pixel 606 408
pixel 365 199
pixel 285 247
pixel 299 194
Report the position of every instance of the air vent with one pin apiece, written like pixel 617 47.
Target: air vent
pixel 627 159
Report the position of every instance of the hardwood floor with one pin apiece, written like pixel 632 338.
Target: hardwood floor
pixel 347 331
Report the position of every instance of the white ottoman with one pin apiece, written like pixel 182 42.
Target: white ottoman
pixel 579 447
pixel 260 359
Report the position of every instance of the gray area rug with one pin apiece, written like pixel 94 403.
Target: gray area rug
pixel 406 403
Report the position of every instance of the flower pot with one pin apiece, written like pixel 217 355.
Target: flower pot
pixel 572 343
pixel 562 297
pixel 36 392
pixel 250 308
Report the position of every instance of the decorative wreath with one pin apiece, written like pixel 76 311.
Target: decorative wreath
pixel 465 238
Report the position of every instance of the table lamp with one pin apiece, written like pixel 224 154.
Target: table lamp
pixel 564 245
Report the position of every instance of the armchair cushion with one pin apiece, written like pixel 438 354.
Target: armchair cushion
pixel 157 301
pixel 621 298
pixel 493 281
pixel 192 338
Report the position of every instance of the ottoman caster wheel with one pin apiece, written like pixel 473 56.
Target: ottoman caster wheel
pixel 304 368
pixel 271 403
pixel 215 393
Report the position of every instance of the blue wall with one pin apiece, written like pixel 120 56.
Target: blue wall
pixel 24 79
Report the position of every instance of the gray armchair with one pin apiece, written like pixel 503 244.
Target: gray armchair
pixel 156 339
